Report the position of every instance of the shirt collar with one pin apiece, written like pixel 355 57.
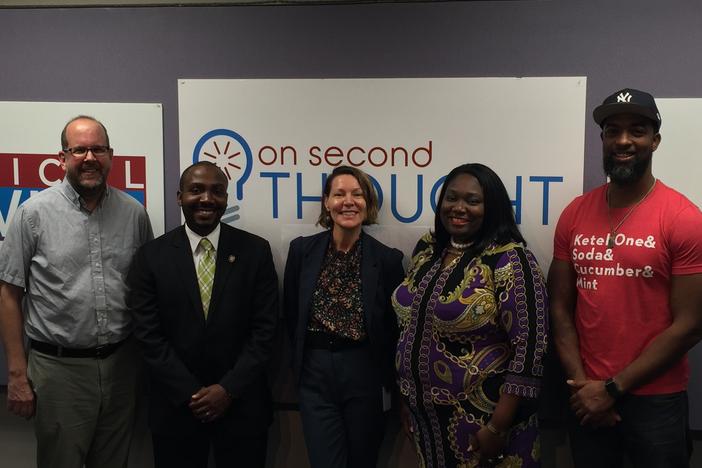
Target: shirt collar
pixel 74 197
pixel 194 238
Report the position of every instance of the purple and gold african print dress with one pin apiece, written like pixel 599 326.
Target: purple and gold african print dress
pixel 468 332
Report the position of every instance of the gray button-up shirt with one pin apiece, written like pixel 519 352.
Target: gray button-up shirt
pixel 73 264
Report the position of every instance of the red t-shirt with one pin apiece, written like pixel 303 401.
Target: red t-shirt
pixel 623 292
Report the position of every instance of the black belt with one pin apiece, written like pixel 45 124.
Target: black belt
pixel 321 340
pixel 99 352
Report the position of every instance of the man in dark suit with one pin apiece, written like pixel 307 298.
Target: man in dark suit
pixel 205 301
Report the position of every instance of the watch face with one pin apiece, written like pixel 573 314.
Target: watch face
pixel 612 388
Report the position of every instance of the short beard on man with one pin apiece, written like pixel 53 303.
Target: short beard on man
pixel 625 174
pixel 86 190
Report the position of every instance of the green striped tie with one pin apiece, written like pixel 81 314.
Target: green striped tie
pixel 205 273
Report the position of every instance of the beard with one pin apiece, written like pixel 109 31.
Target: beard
pixel 86 189
pixel 625 174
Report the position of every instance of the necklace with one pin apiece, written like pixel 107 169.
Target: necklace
pixel 613 230
pixel 452 251
pixel 458 246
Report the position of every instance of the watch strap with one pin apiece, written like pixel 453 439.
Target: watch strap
pixel 613 389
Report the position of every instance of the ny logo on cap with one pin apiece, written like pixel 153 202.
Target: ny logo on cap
pixel 624 97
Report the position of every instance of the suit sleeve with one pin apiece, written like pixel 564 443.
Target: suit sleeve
pixel 257 350
pixel 164 364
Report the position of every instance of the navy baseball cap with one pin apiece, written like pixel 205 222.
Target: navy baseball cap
pixel 628 101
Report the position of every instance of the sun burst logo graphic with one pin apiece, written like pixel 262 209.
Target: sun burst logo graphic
pixel 230 152
pixel 219 155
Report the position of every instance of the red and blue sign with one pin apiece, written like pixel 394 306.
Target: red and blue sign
pixel 22 175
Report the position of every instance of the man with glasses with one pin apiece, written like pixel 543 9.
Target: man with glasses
pixel 62 266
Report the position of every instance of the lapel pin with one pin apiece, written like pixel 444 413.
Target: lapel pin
pixel 231 259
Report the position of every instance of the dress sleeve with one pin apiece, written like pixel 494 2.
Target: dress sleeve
pixel 523 311
pixel 423 250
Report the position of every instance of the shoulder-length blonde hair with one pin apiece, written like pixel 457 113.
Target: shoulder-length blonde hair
pixel 369 195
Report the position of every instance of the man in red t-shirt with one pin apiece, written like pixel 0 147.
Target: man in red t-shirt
pixel 625 291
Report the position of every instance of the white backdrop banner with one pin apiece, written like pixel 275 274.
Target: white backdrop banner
pixel 677 164
pixel 30 142
pixel 278 139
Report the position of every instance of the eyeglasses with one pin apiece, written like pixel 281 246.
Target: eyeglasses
pixel 81 151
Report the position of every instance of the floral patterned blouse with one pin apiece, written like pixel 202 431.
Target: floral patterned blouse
pixel 337 305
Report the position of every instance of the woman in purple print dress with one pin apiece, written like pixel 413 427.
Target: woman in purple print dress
pixel 473 329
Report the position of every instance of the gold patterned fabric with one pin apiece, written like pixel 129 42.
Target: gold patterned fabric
pixel 469 332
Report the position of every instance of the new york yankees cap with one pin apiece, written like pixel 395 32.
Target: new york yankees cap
pixel 628 101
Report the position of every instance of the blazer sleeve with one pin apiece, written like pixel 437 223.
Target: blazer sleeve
pixel 257 349
pixel 291 288
pixel 164 364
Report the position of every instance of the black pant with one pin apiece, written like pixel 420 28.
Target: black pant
pixel 193 451
pixel 341 408
pixel 653 433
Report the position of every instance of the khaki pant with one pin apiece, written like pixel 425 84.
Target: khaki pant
pixel 85 408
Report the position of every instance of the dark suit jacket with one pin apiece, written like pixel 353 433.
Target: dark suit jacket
pixel 381 272
pixel 185 352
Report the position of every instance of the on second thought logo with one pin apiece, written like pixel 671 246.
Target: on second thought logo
pixel 228 150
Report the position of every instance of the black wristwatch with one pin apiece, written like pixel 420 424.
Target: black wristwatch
pixel 613 389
